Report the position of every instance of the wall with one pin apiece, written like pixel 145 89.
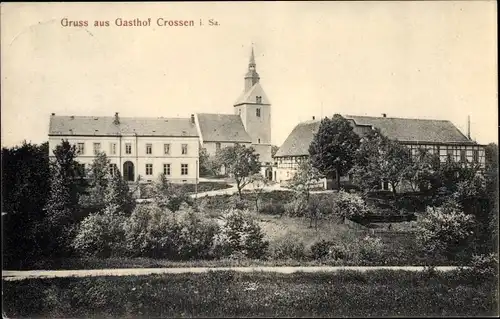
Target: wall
pixel 257 127
pixel 211 147
pixel 138 155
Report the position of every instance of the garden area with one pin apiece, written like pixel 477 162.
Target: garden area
pixel 61 218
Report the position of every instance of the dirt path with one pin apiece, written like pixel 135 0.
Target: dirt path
pixel 20 275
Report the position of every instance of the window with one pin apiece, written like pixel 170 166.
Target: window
pixel 217 146
pixel 239 111
pixel 257 112
pixel 475 156
pixel 259 140
pixel 97 148
pixel 166 149
pixel 258 99
pixel 113 169
pixel 112 148
pixel 80 148
pixel 149 169
pixel 166 169
pixel 462 156
pixel 149 148
pixel 184 149
pixel 128 148
pixel 184 169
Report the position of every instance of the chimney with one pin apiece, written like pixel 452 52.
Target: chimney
pixel 314 118
pixel 192 118
pixel 117 119
pixel 468 127
pixel 384 115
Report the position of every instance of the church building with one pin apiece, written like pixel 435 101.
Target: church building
pixel 146 147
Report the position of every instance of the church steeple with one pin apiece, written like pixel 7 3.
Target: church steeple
pixel 252 76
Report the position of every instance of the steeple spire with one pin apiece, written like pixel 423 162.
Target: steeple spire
pixel 252 58
pixel 252 76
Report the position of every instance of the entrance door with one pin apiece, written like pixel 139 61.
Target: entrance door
pixel 128 171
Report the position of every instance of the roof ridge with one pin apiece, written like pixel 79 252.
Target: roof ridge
pixel 396 118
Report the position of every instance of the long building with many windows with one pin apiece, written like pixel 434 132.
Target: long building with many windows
pixel 143 147
pixel 438 136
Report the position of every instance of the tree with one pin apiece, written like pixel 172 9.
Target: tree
pixel 62 203
pixel 118 198
pixel 423 174
pixel 206 163
pixel 241 163
pixel 380 159
pixel 333 148
pixel 161 190
pixel 25 189
pixel 99 176
pixel 259 183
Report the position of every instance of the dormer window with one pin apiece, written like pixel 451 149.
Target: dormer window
pixel 257 112
pixel 258 99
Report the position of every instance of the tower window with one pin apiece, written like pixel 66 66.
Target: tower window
pixel 259 140
pixel 257 112
pixel 258 99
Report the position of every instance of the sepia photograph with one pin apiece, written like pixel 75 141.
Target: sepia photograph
pixel 249 159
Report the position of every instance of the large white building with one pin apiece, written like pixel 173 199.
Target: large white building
pixel 147 147
pixel 137 146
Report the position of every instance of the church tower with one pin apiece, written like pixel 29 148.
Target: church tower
pixel 254 108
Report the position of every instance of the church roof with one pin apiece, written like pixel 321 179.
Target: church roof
pixel 104 125
pixel 401 129
pixel 222 128
pixel 250 96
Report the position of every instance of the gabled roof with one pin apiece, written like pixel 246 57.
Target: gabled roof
pixel 297 143
pixel 222 128
pixel 250 96
pixel 401 129
pixel 104 125
pixel 414 130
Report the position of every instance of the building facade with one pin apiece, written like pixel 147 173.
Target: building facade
pixel 439 137
pixel 144 147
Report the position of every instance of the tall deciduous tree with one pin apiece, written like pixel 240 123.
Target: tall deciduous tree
pixel 99 176
pixel 25 189
pixel 333 148
pixel 117 197
pixel 381 159
pixel 240 162
pixel 62 203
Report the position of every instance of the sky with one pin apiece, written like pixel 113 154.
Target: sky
pixel 431 60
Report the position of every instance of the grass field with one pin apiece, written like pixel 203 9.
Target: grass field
pixel 230 294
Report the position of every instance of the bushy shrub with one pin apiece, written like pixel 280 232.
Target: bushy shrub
pixel 445 230
pixel 148 232
pixel 235 202
pixel 100 235
pixel 326 249
pixel 195 236
pixel 350 205
pixel 240 233
pixel 296 208
pixel 370 249
pixel 157 233
pixel 273 209
pixel 288 247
